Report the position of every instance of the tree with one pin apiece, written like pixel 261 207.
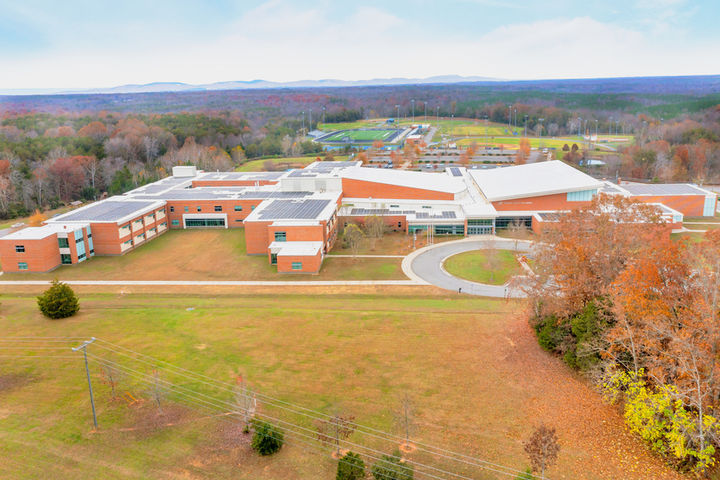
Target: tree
pixel 267 439
pixel 492 259
pixel 110 376
pixel 374 226
pixel 59 301
pixel 36 219
pixel 518 231
pixel 156 389
pixel 350 467
pixel 353 236
pixel 392 467
pixel 335 429
pixel 542 449
pixel 523 152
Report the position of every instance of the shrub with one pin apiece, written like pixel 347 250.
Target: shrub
pixel 58 301
pixel 350 467
pixel 391 467
pixel 267 439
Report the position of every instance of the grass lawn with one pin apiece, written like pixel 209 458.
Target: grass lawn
pixel 472 266
pixel 692 237
pixel 703 219
pixel 184 255
pixel 361 135
pixel 702 226
pixel 395 243
pixel 478 380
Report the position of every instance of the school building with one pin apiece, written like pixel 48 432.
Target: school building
pixel 293 217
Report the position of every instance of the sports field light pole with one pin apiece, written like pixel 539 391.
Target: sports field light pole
pixel 303 123
pixel 509 115
pixel 398 112
pixel 526 118
pixel 579 125
pixel 437 115
pixel 310 120
pixel 83 347
pixel 425 111
pixel 413 110
pixel 515 120
pixel 323 116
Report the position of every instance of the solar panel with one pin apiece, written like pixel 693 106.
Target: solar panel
pixel 107 211
pixel 293 209
pixel 455 172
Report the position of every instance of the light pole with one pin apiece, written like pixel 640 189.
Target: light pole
pixel 610 126
pixel 412 102
pixel 526 118
pixel 437 115
pixel 596 130
pixel 509 115
pixel 398 112
pixel 425 111
pixel 540 120
pixel 515 122
pixel 323 116
pixel 579 125
pixel 310 122
pixel 303 123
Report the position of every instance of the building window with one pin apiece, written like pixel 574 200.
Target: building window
pixel 297 265
pixel 199 209
pixel 252 207
pixel 280 236
pixel 172 209
pixel 65 259
pixel 22 266
pixel 81 257
pixel 426 206
pixel 238 208
pixel 218 208
pixel 79 239
pixel 63 243
pixel 394 206
pixel 187 209
pixel 176 223
pixel 273 259
pixel 399 224
pixel 19 248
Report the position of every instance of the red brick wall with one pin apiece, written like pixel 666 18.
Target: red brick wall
pixel 690 205
pixel 234 219
pixel 364 189
pixel 391 221
pixel 309 264
pixel 41 255
pixel 544 202
pixel 256 238
pixel 298 233
pixel 106 238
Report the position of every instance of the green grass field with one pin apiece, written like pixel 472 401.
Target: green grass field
pixel 472 367
pixel 184 255
pixel 361 135
pixel 473 266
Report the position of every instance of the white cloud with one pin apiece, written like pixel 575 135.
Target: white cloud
pixel 281 41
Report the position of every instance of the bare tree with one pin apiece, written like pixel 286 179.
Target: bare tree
pixel 354 237
pixel 518 231
pixel 492 259
pixel 246 402
pixel 374 226
pixel 542 449
pixel 335 429
pixel 156 389
pixel 111 376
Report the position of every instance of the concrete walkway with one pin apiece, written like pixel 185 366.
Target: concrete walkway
pixel 426 265
pixel 331 255
pixel 202 283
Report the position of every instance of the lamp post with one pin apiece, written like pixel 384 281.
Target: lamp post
pixel 425 111
pixel 323 116
pixel 412 102
pixel 579 125
pixel 398 113
pixel 526 119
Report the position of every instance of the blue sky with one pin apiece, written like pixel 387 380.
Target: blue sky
pixel 83 44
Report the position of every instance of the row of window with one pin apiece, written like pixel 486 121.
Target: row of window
pixel 217 208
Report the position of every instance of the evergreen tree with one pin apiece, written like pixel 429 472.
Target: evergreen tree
pixel 59 301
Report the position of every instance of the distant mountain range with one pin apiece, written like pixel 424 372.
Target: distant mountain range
pixel 250 84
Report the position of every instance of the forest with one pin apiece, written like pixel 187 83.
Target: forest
pixel 58 149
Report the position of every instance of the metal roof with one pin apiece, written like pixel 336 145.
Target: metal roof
pixel 293 209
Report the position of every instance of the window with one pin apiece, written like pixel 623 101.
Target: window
pixel 172 209
pixel 22 266
pixel 176 223
pixel 81 257
pixel 199 209
pixel 426 206
pixel 19 248
pixel 297 265
pixel 218 208
pixel 399 224
pixel 63 243
pixel 280 236
pixel 187 209
pixel 79 239
pixel 65 259
pixel 238 208
pixel 205 222
pixel 273 259
pixel 252 207
pixel 394 206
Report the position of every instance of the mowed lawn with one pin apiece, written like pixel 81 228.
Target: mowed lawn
pixel 478 381
pixel 209 255
pixel 473 266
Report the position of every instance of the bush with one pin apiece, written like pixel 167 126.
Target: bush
pixel 267 439
pixel 391 467
pixel 350 467
pixel 58 301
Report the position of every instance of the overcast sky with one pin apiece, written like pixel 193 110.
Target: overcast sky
pixel 84 44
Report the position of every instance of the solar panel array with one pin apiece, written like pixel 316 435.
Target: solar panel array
pixel 108 211
pixel 293 209
pixel 224 193
pixel 455 171
pixel 444 214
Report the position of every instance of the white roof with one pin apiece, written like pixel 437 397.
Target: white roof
pixel 532 180
pixel 439 182
pixel 44 231
pixel 295 249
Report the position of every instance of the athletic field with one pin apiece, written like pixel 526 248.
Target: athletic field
pixel 360 135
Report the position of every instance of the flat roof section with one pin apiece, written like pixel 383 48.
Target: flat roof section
pixel 295 249
pixel 664 189
pixel 114 209
pixel 532 180
pixel 44 231
pixel 308 209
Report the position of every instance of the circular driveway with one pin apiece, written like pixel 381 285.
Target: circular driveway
pixel 426 265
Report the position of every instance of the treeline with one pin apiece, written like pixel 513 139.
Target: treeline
pixel 617 298
pixel 48 160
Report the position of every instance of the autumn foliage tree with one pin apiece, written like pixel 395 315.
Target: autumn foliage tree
pixel 523 153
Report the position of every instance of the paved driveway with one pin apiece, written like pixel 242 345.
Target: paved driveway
pixel 426 265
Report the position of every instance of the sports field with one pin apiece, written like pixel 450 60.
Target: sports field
pixel 477 379
pixel 361 135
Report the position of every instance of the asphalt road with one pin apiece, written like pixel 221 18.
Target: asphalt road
pixel 428 266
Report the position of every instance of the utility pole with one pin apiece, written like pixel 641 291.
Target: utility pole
pixel 83 347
